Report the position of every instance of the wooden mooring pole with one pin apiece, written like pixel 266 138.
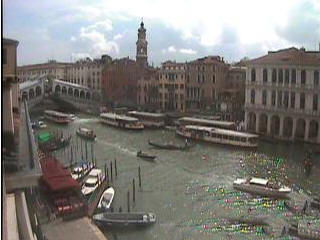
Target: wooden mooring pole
pixel 139 171
pixel 128 200
pixel 105 172
pixel 133 191
pixel 111 171
pixel 115 167
pixel 86 152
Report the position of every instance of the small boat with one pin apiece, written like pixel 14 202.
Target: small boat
pixel 55 144
pixel 262 187
pixel 86 133
pixel 72 117
pixel 92 182
pixel 124 219
pixel 106 198
pixel 170 146
pixel 38 125
pixel 57 117
pixel 81 169
pixel 145 155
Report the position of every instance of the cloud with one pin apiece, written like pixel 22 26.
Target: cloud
pixel 77 56
pixel 118 36
pixel 73 39
pixel 187 51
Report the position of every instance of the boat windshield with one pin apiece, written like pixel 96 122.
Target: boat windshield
pixel 89 184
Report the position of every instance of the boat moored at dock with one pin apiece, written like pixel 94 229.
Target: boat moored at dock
pixel 57 117
pixel 262 187
pixel 81 170
pixel 217 135
pixel 124 219
pixel 106 199
pixel 121 121
pixel 206 122
pixel 150 120
pixel 95 177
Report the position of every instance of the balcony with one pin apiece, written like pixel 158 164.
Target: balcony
pixel 22 170
pixel 310 87
pixel 282 109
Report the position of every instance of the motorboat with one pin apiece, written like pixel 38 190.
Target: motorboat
pixel 95 177
pixel 170 146
pixel 86 134
pixel 72 117
pixel 145 155
pixel 106 219
pixel 38 125
pixel 81 169
pixel 106 198
pixel 262 187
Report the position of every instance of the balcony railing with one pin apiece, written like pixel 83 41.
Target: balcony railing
pixel 283 109
pixel 28 169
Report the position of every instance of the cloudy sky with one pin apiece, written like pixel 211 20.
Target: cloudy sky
pixel 179 30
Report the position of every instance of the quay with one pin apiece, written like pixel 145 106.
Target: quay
pixel 81 228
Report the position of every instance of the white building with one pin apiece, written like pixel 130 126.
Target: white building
pixel 282 95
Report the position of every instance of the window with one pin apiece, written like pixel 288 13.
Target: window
pixel 265 75
pixel 213 79
pixel 293 99
pixel 315 102
pixel 279 99
pixel 286 100
pixel 198 78
pixel 253 75
pixel 274 75
pixel 203 78
pixel 4 56
pixel 316 78
pixel 303 77
pixel 302 100
pixel 181 86
pixel 273 98
pixel 286 76
pixel 280 76
pixel 264 97
pixel 293 76
pixel 253 95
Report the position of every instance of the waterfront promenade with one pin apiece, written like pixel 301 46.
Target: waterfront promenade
pixel 81 228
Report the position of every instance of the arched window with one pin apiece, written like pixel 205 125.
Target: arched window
pixel 264 97
pixel 274 75
pixel 293 100
pixel 293 76
pixel 286 99
pixel 316 78
pixel 253 96
pixel 303 77
pixel 315 102
pixel 280 76
pixel 253 75
pixel 286 76
pixel 265 75
pixel 273 98
pixel 302 100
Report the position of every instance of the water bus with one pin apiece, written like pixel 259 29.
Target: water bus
pixel 86 133
pixel 151 120
pixel 217 135
pixel 121 121
pixel 262 187
pixel 206 122
pixel 57 117
pixel 124 219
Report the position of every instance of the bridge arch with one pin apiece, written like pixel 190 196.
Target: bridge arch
pixel 82 94
pixel 24 96
pixel 76 93
pixel 57 89
pixel 38 91
pixel 64 90
pixel 31 93
pixel 88 95
pixel 70 91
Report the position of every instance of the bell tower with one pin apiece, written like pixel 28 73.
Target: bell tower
pixel 142 54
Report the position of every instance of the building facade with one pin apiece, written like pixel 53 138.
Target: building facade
pixel 172 86
pixel 52 68
pixel 205 79
pixel 282 95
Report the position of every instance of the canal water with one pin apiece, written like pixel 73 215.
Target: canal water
pixel 191 191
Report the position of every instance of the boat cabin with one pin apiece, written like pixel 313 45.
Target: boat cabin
pixel 149 119
pixel 206 122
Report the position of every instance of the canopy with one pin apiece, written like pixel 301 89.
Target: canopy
pixel 56 177
pixel 44 137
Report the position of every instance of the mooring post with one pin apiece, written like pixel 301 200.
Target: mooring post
pixel 133 191
pixel 81 149
pixel 71 155
pixel 92 151
pixel 111 171
pixel 128 200
pixel 105 172
pixel 86 152
pixel 139 177
pixel 108 176
pixel 115 166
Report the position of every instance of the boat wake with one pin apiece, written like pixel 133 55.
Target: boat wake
pixel 85 120
pixel 121 148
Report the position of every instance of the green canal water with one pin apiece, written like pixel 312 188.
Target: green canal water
pixel 191 191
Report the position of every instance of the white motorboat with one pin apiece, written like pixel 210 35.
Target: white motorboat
pixel 262 187
pixel 106 198
pixel 92 182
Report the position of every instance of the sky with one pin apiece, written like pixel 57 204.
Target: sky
pixel 180 30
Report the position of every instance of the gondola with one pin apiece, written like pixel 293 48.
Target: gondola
pixel 170 146
pixel 146 156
